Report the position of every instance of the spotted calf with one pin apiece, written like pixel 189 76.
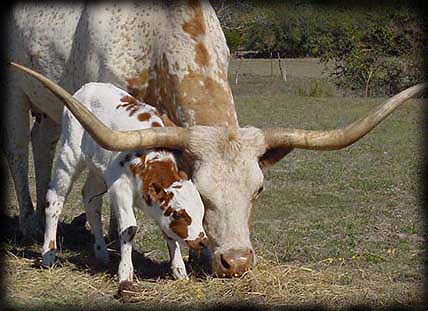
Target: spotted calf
pixel 147 179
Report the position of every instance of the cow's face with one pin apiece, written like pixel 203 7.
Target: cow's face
pixel 229 178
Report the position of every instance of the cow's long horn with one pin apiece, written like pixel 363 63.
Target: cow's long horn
pixel 167 137
pixel 339 138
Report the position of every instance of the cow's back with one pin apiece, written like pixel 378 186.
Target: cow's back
pixel 41 36
pixel 75 44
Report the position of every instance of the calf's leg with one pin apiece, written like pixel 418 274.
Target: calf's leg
pixel 177 264
pixel 44 137
pixel 92 192
pixel 121 200
pixel 67 168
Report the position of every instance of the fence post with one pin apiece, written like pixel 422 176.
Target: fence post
pixel 271 64
pixel 283 72
pixel 238 70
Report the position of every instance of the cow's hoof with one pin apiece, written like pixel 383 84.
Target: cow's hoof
pixel 102 256
pixel 30 229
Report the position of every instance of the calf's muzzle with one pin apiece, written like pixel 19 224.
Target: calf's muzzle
pixel 197 244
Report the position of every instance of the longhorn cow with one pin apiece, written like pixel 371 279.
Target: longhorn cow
pixel 172 55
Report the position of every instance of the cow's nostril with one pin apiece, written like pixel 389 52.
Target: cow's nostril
pixel 233 262
pixel 224 263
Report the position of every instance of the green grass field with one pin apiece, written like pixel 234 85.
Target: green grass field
pixel 334 228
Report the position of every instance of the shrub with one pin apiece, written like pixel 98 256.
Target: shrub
pixel 317 88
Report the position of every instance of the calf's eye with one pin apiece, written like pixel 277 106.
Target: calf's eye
pixel 175 215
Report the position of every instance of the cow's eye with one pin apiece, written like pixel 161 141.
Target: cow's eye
pixel 258 192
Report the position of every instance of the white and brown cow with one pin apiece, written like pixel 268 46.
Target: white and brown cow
pixel 147 179
pixel 172 55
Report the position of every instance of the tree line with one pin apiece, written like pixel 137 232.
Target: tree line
pixel 376 49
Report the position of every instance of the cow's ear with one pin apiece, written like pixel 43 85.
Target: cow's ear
pixel 167 121
pixel 273 155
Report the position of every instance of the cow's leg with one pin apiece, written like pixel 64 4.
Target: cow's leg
pixel 177 264
pixel 112 230
pixel 68 165
pixel 44 137
pixel 15 145
pixel 92 192
pixel 121 200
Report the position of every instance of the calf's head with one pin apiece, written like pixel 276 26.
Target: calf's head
pixel 227 166
pixel 183 213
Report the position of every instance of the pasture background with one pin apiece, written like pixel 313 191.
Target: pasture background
pixel 333 228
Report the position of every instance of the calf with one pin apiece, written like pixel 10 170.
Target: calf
pixel 148 179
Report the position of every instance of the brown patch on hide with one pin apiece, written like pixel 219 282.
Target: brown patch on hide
pixel 202 57
pixel 180 223
pixel 144 116
pixel 196 99
pixel 156 124
pixel 165 199
pixel 130 104
pixel 210 102
pixel 273 155
pixel 196 25
pixel 52 245
pixel 168 211
pixel 160 89
pixel 137 85
pixel 156 176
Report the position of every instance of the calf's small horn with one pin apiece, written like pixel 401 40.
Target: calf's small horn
pixel 338 138
pixel 166 137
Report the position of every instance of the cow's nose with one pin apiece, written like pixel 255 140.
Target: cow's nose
pixel 234 262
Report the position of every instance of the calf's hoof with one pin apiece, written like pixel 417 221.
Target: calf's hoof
pixel 48 258
pixel 126 291
pixel 179 273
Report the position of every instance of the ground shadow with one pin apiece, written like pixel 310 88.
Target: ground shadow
pixel 76 236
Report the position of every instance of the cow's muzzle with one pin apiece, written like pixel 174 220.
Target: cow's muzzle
pixel 233 262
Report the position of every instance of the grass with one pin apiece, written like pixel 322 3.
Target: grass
pixel 336 228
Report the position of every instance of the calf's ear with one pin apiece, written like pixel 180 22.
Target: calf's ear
pixel 156 193
pixel 183 175
pixel 273 155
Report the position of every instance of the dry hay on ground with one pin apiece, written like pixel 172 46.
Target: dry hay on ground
pixel 268 283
